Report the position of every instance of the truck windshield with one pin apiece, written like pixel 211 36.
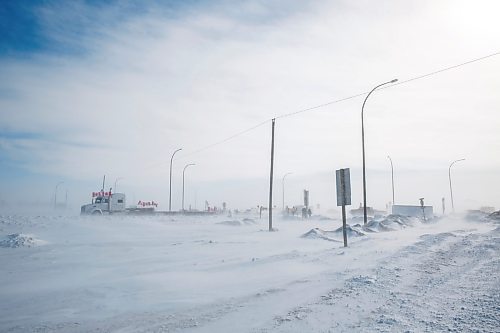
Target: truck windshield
pixel 101 200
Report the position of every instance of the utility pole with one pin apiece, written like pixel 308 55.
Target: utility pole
pixel 271 180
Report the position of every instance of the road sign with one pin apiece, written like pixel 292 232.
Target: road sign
pixel 343 187
pixel 343 196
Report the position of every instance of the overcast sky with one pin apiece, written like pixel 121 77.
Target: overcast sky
pixel 90 88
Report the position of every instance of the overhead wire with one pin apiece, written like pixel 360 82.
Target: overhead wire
pixel 227 139
pixel 388 86
pixel 340 100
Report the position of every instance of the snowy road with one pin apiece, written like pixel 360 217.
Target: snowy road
pixel 444 282
pixel 73 274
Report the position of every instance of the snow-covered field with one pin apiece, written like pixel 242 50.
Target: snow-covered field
pixel 229 274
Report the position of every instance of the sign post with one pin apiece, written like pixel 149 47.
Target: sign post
pixel 423 207
pixel 343 196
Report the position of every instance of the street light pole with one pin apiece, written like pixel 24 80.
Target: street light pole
pixel 449 177
pixel 170 182
pixel 183 171
pixel 55 194
pixel 392 176
pixel 283 184
pixel 116 180
pixel 363 146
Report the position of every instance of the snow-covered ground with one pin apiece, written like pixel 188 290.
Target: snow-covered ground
pixel 229 274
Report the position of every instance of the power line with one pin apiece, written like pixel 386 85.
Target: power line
pixel 444 69
pixel 387 87
pixel 340 100
pixel 320 106
pixel 228 138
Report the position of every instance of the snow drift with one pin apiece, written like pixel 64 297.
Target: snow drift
pixel 21 240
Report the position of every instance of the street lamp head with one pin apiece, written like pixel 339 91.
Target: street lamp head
pixel 395 80
pixel 455 161
pixel 188 165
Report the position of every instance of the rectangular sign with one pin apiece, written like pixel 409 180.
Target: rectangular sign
pixel 306 198
pixel 147 204
pixel 343 187
pixel 101 194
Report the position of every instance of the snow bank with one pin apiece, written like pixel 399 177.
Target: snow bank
pixel 335 235
pixel 318 233
pixel 21 240
pixel 390 223
pixel 495 216
pixel 354 231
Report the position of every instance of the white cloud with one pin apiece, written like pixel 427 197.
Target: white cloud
pixel 145 85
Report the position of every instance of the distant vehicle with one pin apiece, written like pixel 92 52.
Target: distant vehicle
pixel 105 203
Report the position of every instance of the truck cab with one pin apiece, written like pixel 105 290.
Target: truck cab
pixel 105 204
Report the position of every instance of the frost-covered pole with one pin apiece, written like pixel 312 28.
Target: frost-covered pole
pixel 271 180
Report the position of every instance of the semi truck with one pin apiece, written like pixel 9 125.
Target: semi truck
pixel 115 203
pixel 105 203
